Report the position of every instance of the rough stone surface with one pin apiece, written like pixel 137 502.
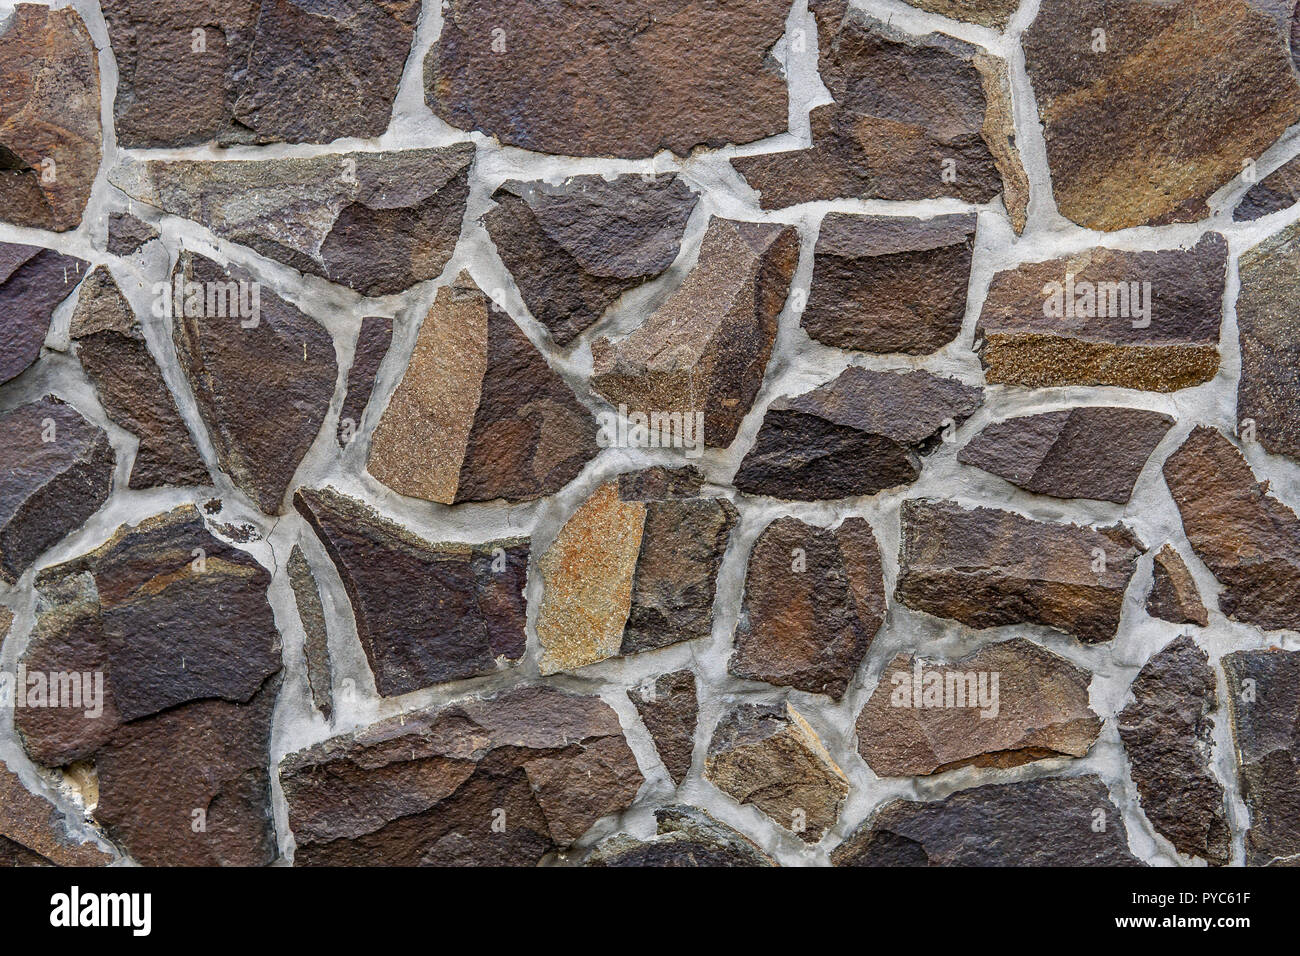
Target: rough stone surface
pixel 1084 452
pixel 862 433
pixel 1268 392
pixel 987 13
pixel 706 349
pixel 1034 823
pixel 768 756
pixel 127 234
pixel 47 487
pixel 548 77
pixel 49 118
pixel 1029 336
pixel 479 415
pixel 1278 190
pixel 927 716
pixel 1166 732
pixel 1174 596
pixel 426 613
pixel 373 342
pixel 315 648
pixel 988 568
pixel 1185 92
pixel 669 709
pixel 574 249
pixel 33 832
pixel 814 600
pixel 33 281
pixel 498 781
pixel 686 837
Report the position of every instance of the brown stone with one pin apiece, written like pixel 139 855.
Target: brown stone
pixel 127 234
pixel 1038 337
pixel 620 78
pixel 426 613
pixel 862 433
pixel 1268 392
pixel 669 709
pixel 1278 190
pixel 988 568
pixel 1174 596
pixel 1146 131
pixel 498 781
pixel 814 600
pixel 315 646
pixel 987 13
pixel 574 249
pixel 1088 452
pixel 49 118
pixel 33 281
pixel 373 342
pixel 35 832
pixel 686 837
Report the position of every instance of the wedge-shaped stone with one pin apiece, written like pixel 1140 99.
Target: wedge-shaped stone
pixel 49 121
pixel 479 415
pixel 1178 127
pixel 127 234
pixel 1174 596
pixel 315 647
pixel 501 781
pixel 56 469
pixel 634 569
pixel 263 382
pixel 375 222
pixel 768 756
pixel 1146 320
pixel 373 342
pixel 1248 539
pixel 669 709
pixel 860 434
pixel 706 349
pixel 1268 392
pixel 1051 822
pixel 1088 452
pixel 34 832
pixel 687 837
pixel 426 613
pixel 988 568
pixel 178 624
pixel 1278 190
pixel 987 13
pixel 814 600
pixel 33 281
pixel 610 77
pixel 1005 705
pixel 111 346
pixel 914 118
pixel 574 249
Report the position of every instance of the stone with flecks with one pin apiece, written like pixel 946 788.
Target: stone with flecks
pixel 669 708
pixel 315 647
pixel 1268 391
pixel 1174 595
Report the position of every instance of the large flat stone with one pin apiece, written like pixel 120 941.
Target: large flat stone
pixel 1268 392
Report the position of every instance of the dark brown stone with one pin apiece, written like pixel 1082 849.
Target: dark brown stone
pixel 1278 190
pixel 33 281
pixel 315 647
pixel 862 433
pixel 426 613
pixel 814 600
pixel 126 234
pixel 1033 332
pixel 987 13
pixel 1166 731
pixel 34 832
pixel 56 469
pixel 498 781
pixel 574 249
pixel 687 837
pixel 1174 596
pixel 263 383
pixel 1268 392
pixel 988 568
pixel 1090 452
pixel 669 709
pixel 620 78
pixel 373 342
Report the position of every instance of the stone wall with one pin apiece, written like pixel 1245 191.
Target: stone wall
pixel 688 432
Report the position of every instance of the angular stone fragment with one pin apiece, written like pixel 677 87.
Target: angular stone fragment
pixel 56 469
pixel 635 568
pixel 1185 92
pixel 269 71
pixel 1278 190
pixel 178 624
pixel 814 600
pixel 497 781
pixel 988 568
pixel 862 433
pixel 1034 823
pixel 262 377
pixel 375 222
pixel 373 342
pixel 49 118
pixel 987 13
pixel 315 648
pixel 883 284
pixel 1005 705
pixel 610 77
pixel 669 709
pixel 1268 392
pixel 914 118
pixel 706 349
pixel 1088 452
pixel 1166 731
pixel 426 613
pixel 687 837
pixel 574 249
pixel 126 233
pixel 479 415
pixel 768 756
pixel 1248 539
pixel 111 346
pixel 1146 320
pixel 34 832
pixel 1174 596
pixel 1264 694
pixel 33 281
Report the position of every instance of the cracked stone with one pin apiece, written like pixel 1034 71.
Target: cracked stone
pixel 373 342
pixel 1268 392
pixel 686 837
pixel 33 281
pixel 1174 596
pixel 669 709
pixel 34 832
pixel 315 648
pixel 1278 190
